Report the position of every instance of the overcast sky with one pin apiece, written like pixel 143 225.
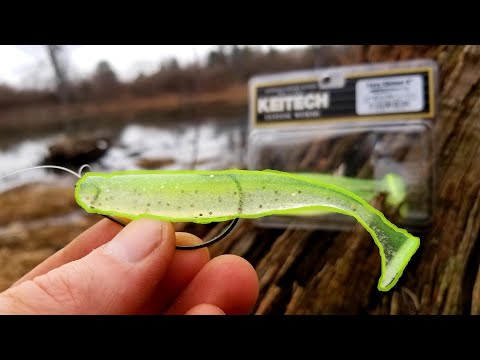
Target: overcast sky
pixel 28 65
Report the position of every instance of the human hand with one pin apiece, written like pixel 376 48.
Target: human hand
pixel 134 270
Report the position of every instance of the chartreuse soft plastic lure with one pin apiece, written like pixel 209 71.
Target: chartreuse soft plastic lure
pixel 212 196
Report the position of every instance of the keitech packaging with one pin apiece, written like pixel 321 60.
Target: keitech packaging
pixel 368 128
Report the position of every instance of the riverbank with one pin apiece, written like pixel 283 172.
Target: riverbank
pixel 36 220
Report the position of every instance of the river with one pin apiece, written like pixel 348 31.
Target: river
pixel 200 144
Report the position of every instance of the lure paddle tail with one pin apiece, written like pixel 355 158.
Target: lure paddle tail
pixel 213 196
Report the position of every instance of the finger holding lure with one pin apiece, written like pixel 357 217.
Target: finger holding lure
pixel 202 196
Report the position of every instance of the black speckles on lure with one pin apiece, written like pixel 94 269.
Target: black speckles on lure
pixel 208 196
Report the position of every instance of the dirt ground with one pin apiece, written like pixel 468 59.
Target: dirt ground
pixel 47 220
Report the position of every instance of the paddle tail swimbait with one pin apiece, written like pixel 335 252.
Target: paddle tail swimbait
pixel 212 196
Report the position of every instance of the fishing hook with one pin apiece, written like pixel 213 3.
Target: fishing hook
pixel 217 238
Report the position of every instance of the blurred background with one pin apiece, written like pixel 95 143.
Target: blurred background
pixel 123 107
pixel 186 107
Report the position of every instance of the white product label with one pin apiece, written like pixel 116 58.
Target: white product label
pixel 389 94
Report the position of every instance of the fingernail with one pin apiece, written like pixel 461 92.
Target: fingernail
pixel 136 241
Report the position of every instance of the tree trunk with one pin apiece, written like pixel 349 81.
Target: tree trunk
pixel 59 68
pixel 318 272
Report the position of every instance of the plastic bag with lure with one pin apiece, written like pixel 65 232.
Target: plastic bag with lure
pixel 392 184
pixel 209 196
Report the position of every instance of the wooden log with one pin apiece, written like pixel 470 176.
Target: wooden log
pixel 318 272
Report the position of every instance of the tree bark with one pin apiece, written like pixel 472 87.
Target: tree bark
pixel 318 272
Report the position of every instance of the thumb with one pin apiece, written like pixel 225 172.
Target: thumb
pixel 116 278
